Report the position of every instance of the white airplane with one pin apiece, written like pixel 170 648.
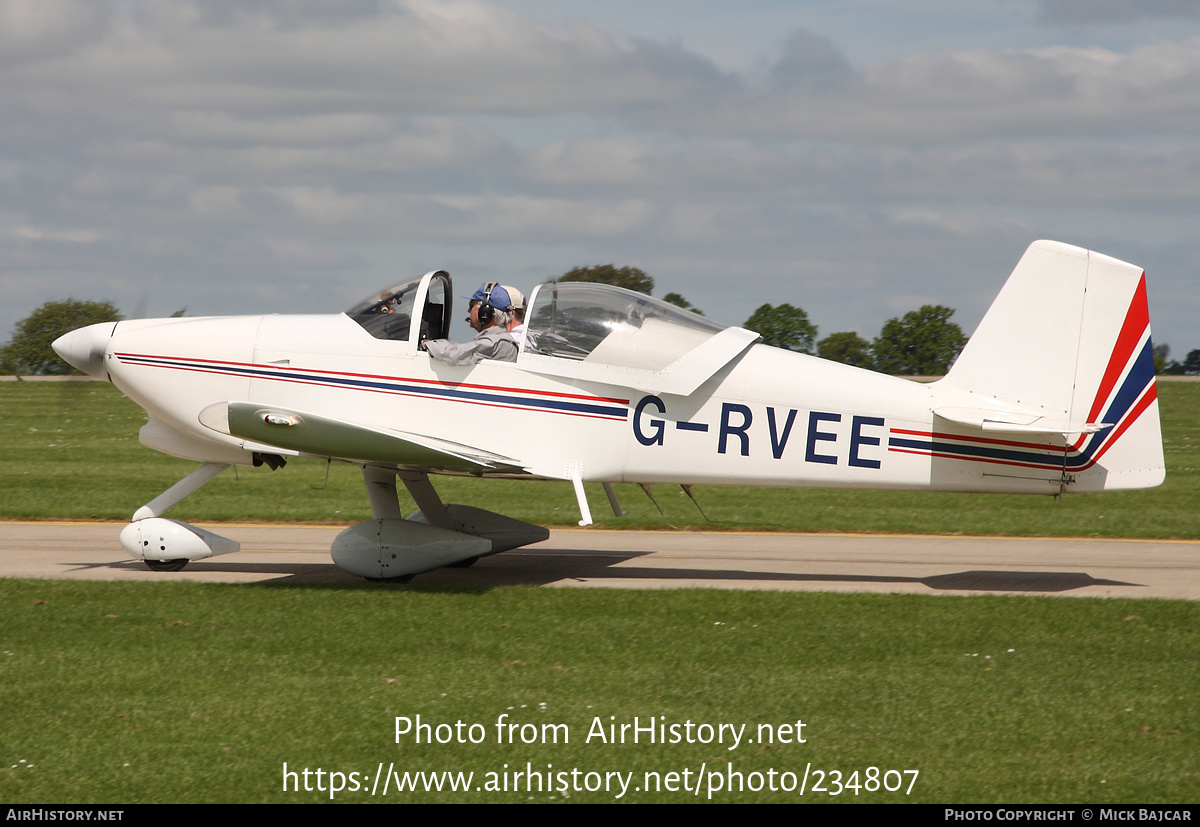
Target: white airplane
pixel 1053 394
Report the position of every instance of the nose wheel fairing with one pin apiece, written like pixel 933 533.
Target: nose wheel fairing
pixel 156 541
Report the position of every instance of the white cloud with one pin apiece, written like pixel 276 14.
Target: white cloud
pixel 216 148
pixel 500 216
pixel 67 236
pixel 945 97
pixel 1077 12
pixel 33 30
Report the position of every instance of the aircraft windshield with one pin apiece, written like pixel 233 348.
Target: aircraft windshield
pixel 609 325
pixel 388 314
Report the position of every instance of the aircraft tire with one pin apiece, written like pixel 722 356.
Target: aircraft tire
pixel 167 565
pixel 464 564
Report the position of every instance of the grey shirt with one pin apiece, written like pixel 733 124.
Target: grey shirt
pixel 490 343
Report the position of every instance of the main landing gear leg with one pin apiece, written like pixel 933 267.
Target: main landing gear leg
pixel 431 505
pixel 381 491
pixel 385 505
pixel 427 499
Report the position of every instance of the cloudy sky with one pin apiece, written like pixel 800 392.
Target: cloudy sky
pixel 857 159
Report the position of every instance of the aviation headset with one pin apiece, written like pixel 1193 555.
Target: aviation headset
pixel 486 311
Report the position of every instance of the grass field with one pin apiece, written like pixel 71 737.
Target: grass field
pixel 70 450
pixel 171 692
pixel 181 692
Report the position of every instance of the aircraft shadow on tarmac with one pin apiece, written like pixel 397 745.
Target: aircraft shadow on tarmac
pixel 545 566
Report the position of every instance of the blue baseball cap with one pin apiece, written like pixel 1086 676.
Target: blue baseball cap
pixel 498 298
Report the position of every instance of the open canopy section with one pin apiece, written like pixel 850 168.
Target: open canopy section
pixel 388 313
pixel 609 334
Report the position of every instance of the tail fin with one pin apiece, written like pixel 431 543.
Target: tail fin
pixel 1068 339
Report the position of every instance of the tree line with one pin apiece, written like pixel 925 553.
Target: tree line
pixel 922 342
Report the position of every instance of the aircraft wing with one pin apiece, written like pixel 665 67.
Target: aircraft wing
pixel 325 437
pixel 680 378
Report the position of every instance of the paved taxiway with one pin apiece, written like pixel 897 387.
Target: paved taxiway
pixel 648 560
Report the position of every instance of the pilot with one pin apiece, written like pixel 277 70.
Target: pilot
pixel 490 317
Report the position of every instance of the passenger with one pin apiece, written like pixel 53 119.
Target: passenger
pixel 490 318
pixel 516 325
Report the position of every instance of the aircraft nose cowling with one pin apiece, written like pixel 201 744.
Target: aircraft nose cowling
pixel 84 348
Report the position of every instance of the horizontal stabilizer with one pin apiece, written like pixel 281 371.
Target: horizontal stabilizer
pixel 1017 423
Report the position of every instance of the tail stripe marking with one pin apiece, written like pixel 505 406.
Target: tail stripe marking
pixel 1137 319
pixel 1131 398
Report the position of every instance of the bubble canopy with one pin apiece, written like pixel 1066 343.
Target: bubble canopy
pixel 603 324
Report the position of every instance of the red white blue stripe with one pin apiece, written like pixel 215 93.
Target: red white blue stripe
pixel 571 404
pixel 1126 390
